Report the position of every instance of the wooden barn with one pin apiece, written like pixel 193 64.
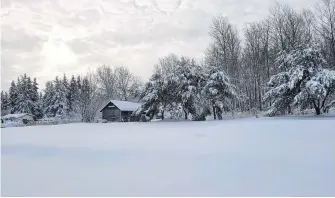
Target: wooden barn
pixel 119 111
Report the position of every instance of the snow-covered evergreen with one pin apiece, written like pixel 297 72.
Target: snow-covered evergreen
pixel 303 81
pixel 54 100
pixel 73 95
pixel 23 96
pixel 191 79
pixel 181 81
pixel 25 102
pixel 318 91
pixel 220 92
pixel 5 106
pixel 67 93
pixel 37 100
pixel 12 96
pixel 48 110
pixel 59 99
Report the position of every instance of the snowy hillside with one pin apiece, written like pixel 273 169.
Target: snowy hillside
pixel 247 157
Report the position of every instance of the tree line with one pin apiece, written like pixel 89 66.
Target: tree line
pixel 285 62
pixel 77 98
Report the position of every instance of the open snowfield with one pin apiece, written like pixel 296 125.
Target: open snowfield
pixel 246 157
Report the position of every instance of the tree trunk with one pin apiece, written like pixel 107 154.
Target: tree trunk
pixel 255 92
pixel 289 109
pixel 162 115
pixel 317 109
pixel 259 95
pixel 186 117
pixel 214 112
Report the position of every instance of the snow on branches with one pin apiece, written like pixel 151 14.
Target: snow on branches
pixel 180 82
pixel 303 82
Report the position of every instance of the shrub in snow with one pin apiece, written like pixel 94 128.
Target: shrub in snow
pixel 102 121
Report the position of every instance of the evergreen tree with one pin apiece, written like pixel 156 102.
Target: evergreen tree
pixel 24 102
pixel 36 99
pixel 175 82
pixel 54 100
pixel 79 82
pixel 4 103
pixel 220 92
pixel 67 93
pixel 59 99
pixel 318 91
pixel 73 95
pixel 40 104
pixel 303 81
pixel 49 92
pixel 12 96
pixel 40 97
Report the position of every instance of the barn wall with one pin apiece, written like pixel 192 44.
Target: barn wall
pixel 111 114
pixel 126 116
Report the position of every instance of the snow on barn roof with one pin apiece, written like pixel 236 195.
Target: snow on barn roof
pixel 17 115
pixel 125 105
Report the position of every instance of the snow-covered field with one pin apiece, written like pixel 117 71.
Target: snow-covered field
pixel 246 157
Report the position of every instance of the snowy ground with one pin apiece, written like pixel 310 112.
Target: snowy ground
pixel 247 157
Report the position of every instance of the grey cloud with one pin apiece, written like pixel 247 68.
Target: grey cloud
pixel 90 45
pixel 160 33
pixel 8 72
pixel 14 65
pixel 6 3
pixel 18 39
pixel 84 18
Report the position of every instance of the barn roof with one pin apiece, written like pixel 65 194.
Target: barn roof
pixel 125 105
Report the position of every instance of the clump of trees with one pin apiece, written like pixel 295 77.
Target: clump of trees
pixel 23 97
pixel 181 82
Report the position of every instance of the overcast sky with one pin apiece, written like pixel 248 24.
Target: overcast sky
pixel 45 38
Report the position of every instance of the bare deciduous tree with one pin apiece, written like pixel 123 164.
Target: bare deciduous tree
pixel 325 28
pixel 256 60
pixel 117 83
pixel 289 29
pixel 226 45
pixel 89 100
pixel 128 85
pixel 106 81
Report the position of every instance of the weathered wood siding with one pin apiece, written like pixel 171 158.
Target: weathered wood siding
pixel 111 114
pixel 126 116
